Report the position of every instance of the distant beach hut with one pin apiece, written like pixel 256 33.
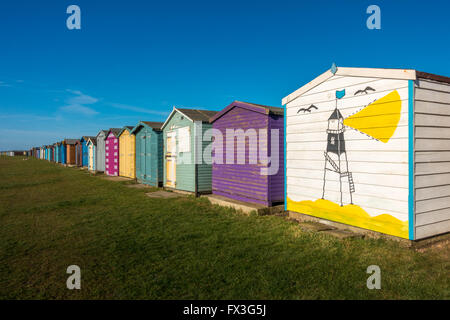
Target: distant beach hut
pixel 85 150
pixel 62 152
pixel 55 148
pixel 82 152
pixel 183 167
pixel 91 146
pixel 254 179
pixel 127 153
pixel 112 152
pixel 100 151
pixel 149 152
pixel 70 151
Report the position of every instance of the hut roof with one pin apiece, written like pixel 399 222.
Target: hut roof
pixel 104 131
pixel 152 125
pixel 93 140
pixel 71 141
pixel 406 74
pixel 128 128
pixel 114 131
pixel 192 114
pixel 86 138
pixel 249 106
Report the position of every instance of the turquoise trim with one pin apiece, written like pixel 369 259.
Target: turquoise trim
pixel 411 159
pixel 285 161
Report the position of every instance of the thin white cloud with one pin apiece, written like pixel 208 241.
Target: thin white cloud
pixel 77 103
pixel 78 108
pixel 29 117
pixel 138 109
pixel 80 98
pixel 28 132
pixel 4 84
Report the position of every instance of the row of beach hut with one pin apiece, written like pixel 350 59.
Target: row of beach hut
pixel 362 147
pixel 164 153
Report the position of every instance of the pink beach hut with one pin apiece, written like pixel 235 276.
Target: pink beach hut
pixel 112 152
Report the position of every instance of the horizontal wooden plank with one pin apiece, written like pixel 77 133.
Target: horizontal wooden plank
pixel 432 217
pixel 400 181
pixel 357 145
pixel 400 132
pixel 370 190
pixel 432 144
pixel 354 166
pixel 432 108
pixel 432 95
pixel 431 180
pixel 432 204
pixel 433 192
pixel 432 132
pixel 432 229
pixel 434 85
pixel 432 156
pixel 432 167
pixel 321 127
pixel 363 156
pixel 431 120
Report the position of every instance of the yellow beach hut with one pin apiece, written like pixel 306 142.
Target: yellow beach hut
pixel 127 153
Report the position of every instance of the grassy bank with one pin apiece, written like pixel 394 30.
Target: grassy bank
pixel 129 246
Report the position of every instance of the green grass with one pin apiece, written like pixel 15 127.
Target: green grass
pixel 130 246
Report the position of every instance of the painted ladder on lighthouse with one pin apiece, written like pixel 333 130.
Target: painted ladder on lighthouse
pixel 335 154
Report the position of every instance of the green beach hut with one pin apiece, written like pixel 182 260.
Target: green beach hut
pixel 184 168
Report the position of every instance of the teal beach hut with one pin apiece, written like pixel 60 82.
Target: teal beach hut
pixel 149 152
pixel 184 168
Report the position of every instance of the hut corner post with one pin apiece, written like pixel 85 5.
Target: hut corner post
pixel 411 166
pixel 197 141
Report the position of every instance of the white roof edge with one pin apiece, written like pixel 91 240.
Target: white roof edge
pixel 310 85
pixel 406 74
pixel 170 116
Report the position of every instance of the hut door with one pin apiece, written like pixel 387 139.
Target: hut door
pixel 171 159
pixel 142 157
pixel 148 157
pixel 91 157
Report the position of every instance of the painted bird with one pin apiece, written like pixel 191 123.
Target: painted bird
pixel 365 90
pixel 308 109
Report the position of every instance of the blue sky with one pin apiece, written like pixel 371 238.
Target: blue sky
pixel 133 60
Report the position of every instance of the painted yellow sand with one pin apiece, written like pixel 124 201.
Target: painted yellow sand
pixel 379 119
pixel 352 215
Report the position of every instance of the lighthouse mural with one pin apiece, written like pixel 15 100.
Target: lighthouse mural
pixel 347 150
pixel 336 161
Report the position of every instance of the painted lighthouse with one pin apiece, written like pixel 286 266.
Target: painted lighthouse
pixel 336 162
